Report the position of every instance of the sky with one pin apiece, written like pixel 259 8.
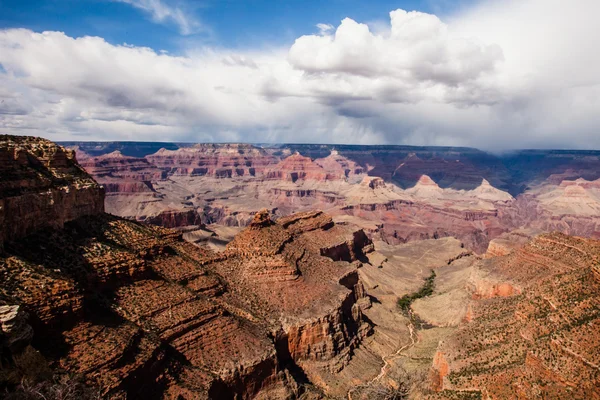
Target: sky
pixel 493 74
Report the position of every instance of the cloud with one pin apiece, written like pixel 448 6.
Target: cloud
pixel 469 80
pixel 324 29
pixel 418 48
pixel 162 13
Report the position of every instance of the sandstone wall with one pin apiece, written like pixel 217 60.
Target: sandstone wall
pixel 41 185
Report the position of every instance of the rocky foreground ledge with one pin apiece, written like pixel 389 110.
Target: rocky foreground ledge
pixel 140 313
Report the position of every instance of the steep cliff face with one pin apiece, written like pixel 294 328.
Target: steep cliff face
pixel 138 312
pixel 41 185
pixel 220 161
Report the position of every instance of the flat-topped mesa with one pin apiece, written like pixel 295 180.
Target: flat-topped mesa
pixel 216 160
pixel 41 184
pixel 298 168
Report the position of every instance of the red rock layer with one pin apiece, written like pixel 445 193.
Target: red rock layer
pixel 542 340
pixel 339 166
pixel 221 161
pixel 41 185
pixel 404 221
pixel 122 174
pixel 297 167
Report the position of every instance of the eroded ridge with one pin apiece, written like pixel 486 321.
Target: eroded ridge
pixel 540 341
pixel 138 312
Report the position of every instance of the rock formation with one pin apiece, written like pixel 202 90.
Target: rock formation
pixel 297 303
pixel 340 166
pixel 411 192
pixel 299 168
pixel 220 161
pixel 42 185
pixel 535 337
pixel 139 312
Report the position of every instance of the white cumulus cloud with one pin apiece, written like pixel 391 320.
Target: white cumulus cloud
pixel 418 48
pixel 500 75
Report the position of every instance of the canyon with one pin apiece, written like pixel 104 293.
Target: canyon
pixel 191 271
pixel 401 193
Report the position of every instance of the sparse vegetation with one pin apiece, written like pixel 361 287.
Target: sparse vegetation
pixel 426 290
pixel 60 388
pixel 381 392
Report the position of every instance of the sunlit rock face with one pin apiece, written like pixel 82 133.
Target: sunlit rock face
pixel 137 311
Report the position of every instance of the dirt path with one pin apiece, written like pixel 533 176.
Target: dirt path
pixel 386 359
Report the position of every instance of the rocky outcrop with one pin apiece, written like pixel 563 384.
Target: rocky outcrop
pixel 350 250
pixel 299 168
pixel 339 166
pixel 220 161
pixel 280 263
pixel 373 182
pixel 42 185
pixel 19 361
pixel 15 332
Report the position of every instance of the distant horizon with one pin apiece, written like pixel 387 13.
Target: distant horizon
pixel 258 144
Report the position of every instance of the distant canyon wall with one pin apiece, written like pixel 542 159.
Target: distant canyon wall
pixel 411 192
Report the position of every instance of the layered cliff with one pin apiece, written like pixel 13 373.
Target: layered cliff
pixel 299 168
pixel 220 161
pixel 138 312
pixel 42 185
pixel 122 174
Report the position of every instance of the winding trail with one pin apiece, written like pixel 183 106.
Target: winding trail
pixel 386 359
